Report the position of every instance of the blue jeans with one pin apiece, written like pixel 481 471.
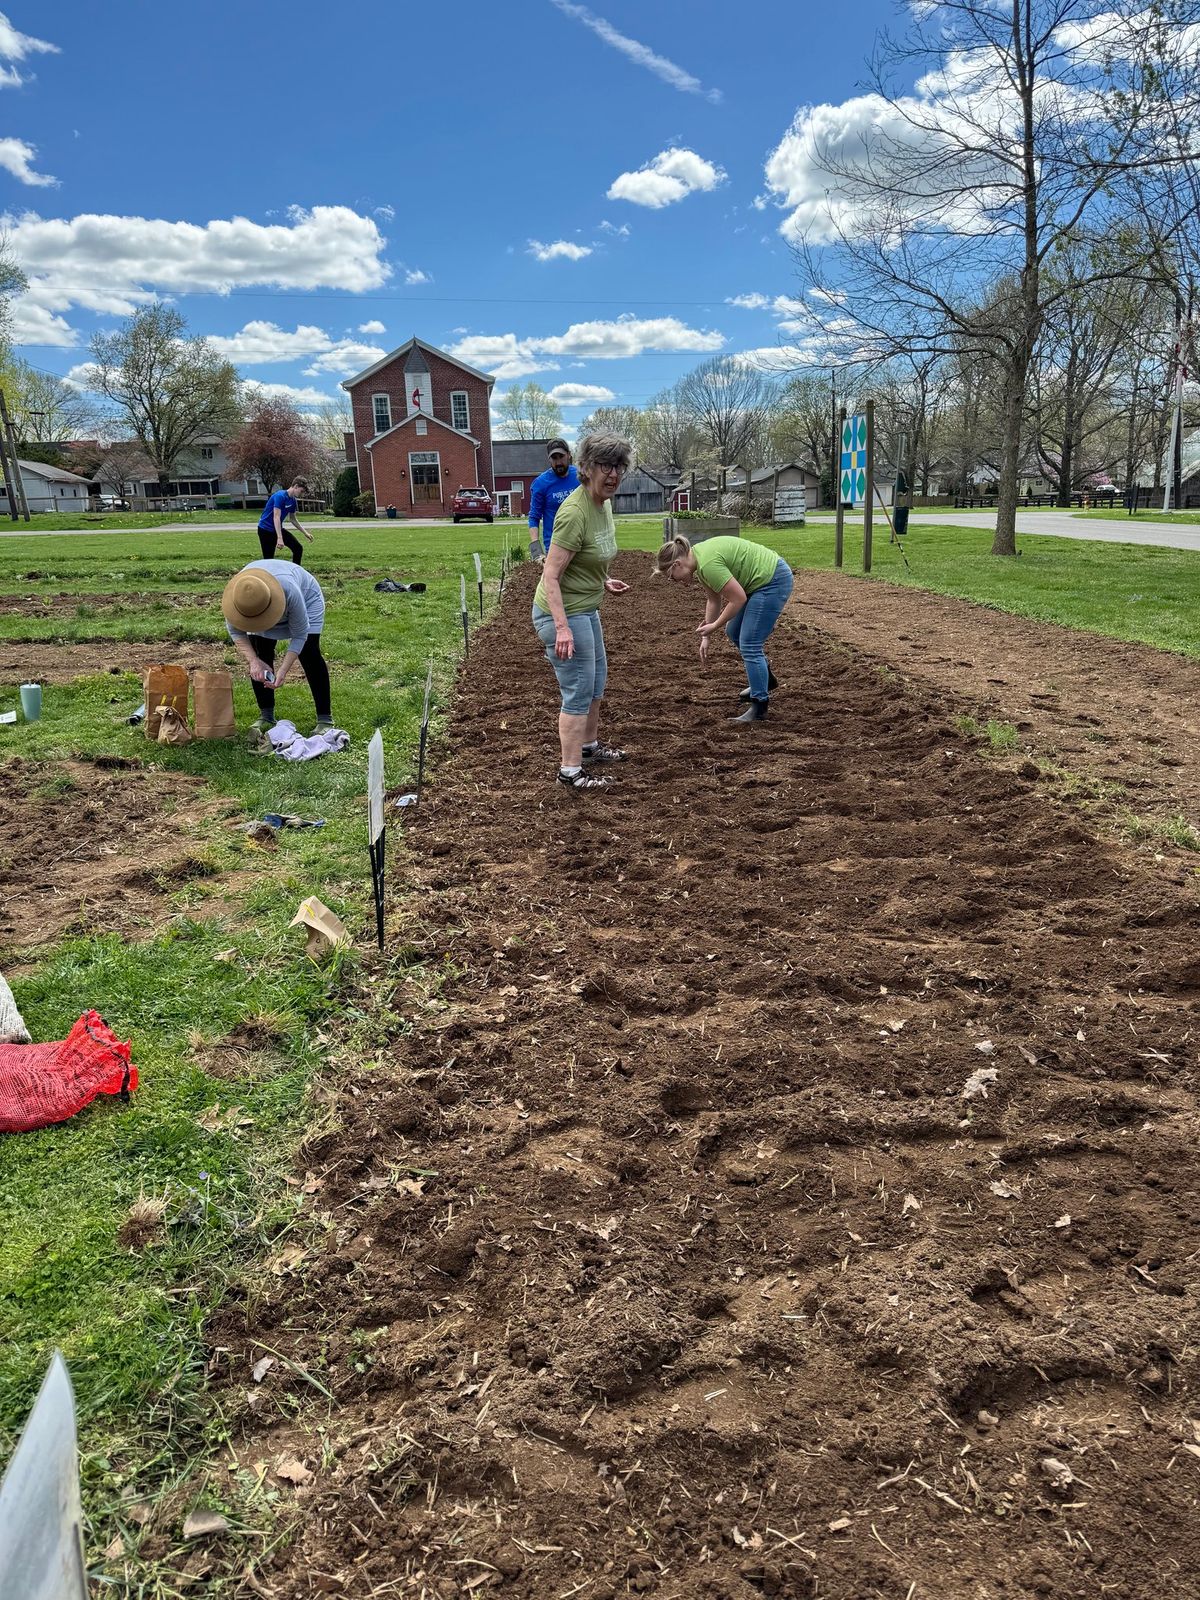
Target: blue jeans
pixel 750 628
pixel 581 679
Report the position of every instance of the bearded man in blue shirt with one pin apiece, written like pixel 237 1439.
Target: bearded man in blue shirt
pixel 548 492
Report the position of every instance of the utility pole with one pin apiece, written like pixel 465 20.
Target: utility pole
pixel 15 481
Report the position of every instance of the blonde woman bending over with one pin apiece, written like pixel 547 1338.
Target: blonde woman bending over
pixel 746 586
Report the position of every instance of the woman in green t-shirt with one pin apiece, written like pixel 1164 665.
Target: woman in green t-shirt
pixel 566 607
pixel 746 586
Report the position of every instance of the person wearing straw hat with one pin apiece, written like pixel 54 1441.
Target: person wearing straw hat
pixel 272 600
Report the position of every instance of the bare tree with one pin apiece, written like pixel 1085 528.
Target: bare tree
pixel 1033 122
pixel 45 409
pixel 527 412
pixel 729 402
pixel 124 462
pixel 625 421
pixel 671 437
pixel 332 422
pixel 171 390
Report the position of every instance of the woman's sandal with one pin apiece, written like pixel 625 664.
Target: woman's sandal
pixel 582 780
pixel 602 752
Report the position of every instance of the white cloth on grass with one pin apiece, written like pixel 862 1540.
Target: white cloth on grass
pixel 293 746
pixel 12 1024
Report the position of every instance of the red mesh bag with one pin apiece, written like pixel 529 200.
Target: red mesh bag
pixel 45 1083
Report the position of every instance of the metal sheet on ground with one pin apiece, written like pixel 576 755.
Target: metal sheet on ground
pixel 41 1518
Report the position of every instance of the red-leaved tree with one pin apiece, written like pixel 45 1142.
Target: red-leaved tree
pixel 274 444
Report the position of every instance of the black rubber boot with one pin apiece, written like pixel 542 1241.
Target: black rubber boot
pixel 772 685
pixel 754 712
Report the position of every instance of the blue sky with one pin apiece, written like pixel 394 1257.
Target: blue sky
pixel 570 194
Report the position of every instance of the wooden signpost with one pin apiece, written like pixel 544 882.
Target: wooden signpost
pixel 41 1517
pixel 376 835
pixel 462 601
pixel 479 582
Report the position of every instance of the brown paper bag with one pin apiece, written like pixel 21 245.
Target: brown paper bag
pixel 212 705
pixel 164 685
pixel 172 728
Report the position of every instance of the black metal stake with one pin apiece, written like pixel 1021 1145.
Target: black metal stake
pixel 424 733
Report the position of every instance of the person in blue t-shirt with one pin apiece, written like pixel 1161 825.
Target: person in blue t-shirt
pixel 271 533
pixel 549 491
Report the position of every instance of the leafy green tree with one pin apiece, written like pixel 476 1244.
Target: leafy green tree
pixel 527 412
pixel 170 390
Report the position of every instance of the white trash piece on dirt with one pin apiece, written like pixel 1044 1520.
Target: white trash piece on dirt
pixel 12 1023
pixel 1059 1474
pixel 976 1086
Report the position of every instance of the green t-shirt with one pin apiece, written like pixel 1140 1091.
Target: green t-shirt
pixel 588 530
pixel 725 557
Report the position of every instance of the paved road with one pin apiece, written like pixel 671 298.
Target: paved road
pixel 1108 530
pixel 1114 530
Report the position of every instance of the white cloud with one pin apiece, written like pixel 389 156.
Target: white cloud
pixel 581 394
pixel 621 232
pixel 560 250
pixel 260 343
pixel 749 302
pixel 17 157
pixel 307 399
pixel 824 170
pixel 345 358
pixel 374 326
pixel 33 324
pixel 112 264
pixel 508 356
pixel 388 213
pixel 16 46
pixel 79 376
pixel 641 55
pixel 415 275
pixel 672 175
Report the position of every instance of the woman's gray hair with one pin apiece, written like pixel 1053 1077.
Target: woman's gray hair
pixel 604 450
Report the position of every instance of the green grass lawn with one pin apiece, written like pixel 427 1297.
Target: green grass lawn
pixel 1136 592
pixel 215 1152
pixel 1143 516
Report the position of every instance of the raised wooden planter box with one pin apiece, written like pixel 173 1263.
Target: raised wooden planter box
pixel 697 528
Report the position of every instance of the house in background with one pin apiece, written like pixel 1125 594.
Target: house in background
pixel 422 429
pixel 517 462
pixel 48 488
pixel 765 480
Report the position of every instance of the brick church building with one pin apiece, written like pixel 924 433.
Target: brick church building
pixel 422 429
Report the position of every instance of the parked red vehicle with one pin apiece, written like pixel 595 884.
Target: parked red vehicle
pixel 467 503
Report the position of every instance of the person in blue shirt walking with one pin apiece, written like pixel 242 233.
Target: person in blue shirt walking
pixel 272 535
pixel 549 491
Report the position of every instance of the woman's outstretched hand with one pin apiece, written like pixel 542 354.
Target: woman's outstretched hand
pixel 616 585
pixel 706 628
pixel 704 644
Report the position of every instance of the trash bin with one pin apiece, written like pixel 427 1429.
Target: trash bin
pixel 391 511
pixel 900 521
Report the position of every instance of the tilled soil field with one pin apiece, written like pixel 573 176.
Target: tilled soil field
pixel 91 848
pixel 50 661
pixel 792 1189
pixel 1125 714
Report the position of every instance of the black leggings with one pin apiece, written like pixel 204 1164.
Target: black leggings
pixel 315 670
pixel 266 538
